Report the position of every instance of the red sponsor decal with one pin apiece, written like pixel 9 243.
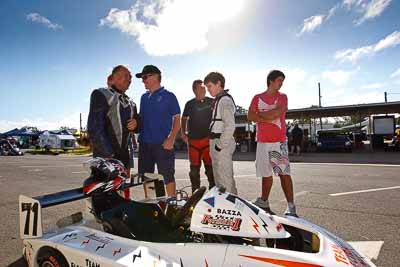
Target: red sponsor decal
pixel 85 242
pixel 346 256
pixel 116 252
pixel 234 224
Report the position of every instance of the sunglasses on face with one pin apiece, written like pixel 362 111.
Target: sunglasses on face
pixel 144 77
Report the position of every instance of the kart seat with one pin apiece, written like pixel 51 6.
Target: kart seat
pixel 137 220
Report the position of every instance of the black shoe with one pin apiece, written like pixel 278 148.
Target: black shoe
pixel 268 210
pixel 291 212
pixel 264 205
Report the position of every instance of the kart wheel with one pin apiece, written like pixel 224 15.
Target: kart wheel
pixel 52 258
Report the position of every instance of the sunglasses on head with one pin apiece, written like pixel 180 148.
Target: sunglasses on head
pixel 144 77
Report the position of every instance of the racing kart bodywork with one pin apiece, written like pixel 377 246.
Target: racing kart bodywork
pixel 9 149
pixel 213 228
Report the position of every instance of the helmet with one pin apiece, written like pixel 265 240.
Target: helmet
pixel 106 175
pixel 106 169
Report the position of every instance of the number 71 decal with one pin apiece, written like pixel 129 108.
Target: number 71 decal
pixel 30 217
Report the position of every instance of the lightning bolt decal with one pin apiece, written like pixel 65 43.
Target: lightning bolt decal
pixel 255 225
pixel 85 242
pixel 99 247
pixel 70 237
pixel 265 226
pixel 116 252
pixel 281 262
pixel 137 256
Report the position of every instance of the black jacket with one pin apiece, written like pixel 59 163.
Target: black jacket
pixel 107 124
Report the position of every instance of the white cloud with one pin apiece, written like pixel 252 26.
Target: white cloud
pixel 35 17
pixel 332 12
pixel 349 4
pixel 369 9
pixel 312 23
pixel 373 9
pixel 245 84
pixel 362 98
pixel 337 77
pixel 395 74
pixel 353 55
pixel 167 27
pixel 70 120
pixel 373 86
pixel 391 40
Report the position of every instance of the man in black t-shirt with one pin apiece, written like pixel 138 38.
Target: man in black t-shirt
pixel 196 119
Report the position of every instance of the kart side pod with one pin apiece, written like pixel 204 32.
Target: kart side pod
pixel 223 213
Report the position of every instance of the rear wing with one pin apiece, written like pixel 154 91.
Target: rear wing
pixel 30 208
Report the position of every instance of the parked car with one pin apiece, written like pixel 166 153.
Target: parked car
pixel 333 140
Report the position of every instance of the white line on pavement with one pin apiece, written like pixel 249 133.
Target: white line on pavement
pixel 35 170
pixel 81 172
pixel 364 191
pixel 345 164
pixel 369 249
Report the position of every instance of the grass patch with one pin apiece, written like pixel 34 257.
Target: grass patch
pixel 83 150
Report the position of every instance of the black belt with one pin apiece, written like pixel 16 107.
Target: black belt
pixel 214 135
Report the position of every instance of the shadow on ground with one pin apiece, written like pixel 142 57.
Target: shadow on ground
pixel 19 263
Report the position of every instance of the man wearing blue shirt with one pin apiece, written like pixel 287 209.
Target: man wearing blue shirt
pixel 159 124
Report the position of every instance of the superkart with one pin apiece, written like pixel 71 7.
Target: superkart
pixel 214 228
pixel 7 148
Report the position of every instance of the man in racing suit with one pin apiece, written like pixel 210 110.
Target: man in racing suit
pixel 113 119
pixel 222 128
pixel 196 119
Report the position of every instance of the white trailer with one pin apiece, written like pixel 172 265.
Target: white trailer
pixel 56 140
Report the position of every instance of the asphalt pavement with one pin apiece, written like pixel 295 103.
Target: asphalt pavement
pixel 357 201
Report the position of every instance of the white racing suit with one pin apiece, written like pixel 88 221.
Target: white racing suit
pixel 222 142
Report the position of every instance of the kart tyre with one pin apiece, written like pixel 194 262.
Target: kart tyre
pixel 52 258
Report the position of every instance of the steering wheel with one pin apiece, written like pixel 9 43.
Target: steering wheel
pixel 191 202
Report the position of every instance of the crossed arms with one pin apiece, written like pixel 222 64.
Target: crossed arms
pixel 266 116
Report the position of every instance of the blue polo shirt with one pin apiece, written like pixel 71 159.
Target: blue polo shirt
pixel 157 111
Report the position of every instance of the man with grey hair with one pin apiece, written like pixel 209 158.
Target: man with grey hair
pixel 113 119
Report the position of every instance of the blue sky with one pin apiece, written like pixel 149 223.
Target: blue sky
pixel 54 53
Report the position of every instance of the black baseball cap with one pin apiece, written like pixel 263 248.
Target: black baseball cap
pixel 148 69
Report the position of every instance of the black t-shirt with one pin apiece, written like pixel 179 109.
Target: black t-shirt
pixel 199 113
